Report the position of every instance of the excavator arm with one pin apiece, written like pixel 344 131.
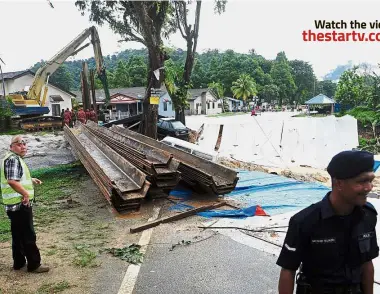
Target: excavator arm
pixel 43 73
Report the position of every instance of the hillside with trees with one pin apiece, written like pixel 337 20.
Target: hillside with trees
pixel 281 79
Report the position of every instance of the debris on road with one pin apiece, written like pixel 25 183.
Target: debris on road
pixel 175 217
pixel 129 253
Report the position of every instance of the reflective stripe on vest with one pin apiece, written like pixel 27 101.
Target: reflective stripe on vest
pixel 10 196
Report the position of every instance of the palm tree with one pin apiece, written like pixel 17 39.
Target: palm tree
pixel 244 87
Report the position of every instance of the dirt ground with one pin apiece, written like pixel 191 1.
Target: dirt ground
pixel 71 241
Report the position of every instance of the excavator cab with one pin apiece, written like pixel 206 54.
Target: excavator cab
pixel 26 108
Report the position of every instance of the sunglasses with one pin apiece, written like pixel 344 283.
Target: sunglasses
pixel 19 143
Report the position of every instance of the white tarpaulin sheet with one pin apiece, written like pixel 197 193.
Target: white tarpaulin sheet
pixel 283 142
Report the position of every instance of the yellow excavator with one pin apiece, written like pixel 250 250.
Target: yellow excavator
pixel 30 106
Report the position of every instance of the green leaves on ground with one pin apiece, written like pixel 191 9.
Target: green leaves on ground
pixel 129 253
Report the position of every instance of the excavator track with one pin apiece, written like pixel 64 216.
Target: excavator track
pixel 41 123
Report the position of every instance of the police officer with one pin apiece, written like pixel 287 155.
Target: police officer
pixel 333 241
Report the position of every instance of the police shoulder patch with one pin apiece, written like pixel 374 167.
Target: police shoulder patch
pixel 370 207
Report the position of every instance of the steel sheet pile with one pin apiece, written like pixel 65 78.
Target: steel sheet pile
pixel 128 166
pixel 159 166
pixel 197 172
pixel 121 183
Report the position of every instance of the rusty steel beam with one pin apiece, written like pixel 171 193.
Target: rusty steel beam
pixel 157 164
pixel 124 192
pixel 194 170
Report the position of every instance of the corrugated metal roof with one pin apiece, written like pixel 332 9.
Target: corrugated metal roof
pixel 194 93
pixel 134 92
pixel 320 99
pixel 15 74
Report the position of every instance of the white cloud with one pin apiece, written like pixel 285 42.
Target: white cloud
pixel 32 30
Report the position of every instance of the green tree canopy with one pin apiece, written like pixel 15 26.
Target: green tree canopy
pixel 351 88
pixel 244 87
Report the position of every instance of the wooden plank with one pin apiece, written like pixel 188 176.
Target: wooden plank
pixel 182 215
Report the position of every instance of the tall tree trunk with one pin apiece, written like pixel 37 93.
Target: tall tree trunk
pixel 148 125
pixel 191 37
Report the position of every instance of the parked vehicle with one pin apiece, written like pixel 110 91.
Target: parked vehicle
pixel 173 128
pixel 191 148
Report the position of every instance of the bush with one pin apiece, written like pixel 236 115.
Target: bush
pixel 5 109
pixel 365 115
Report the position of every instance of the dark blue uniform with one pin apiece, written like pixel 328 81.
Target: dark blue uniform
pixel 331 248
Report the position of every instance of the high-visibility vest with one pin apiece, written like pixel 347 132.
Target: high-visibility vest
pixel 10 196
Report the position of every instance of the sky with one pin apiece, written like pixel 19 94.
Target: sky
pixel 31 31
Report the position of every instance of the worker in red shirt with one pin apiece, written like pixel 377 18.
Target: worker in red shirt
pixel 82 116
pixel 67 117
pixel 93 115
pixel 87 114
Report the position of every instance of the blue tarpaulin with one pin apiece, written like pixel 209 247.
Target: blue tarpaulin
pixel 376 165
pixel 275 194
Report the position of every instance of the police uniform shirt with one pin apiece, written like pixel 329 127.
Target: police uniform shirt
pixel 330 247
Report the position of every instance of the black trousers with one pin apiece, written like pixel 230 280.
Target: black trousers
pixel 24 248
pixel 328 290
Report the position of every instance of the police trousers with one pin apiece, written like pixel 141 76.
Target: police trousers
pixel 350 289
pixel 24 248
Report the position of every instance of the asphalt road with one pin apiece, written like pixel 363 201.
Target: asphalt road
pixel 212 264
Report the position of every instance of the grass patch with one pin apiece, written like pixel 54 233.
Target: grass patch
pixel 85 257
pixel 5 226
pixel 13 133
pixel 311 115
pixel 53 288
pixel 51 252
pixel 45 216
pixel 58 183
pixel 226 114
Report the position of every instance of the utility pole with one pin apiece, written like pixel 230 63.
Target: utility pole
pixel 2 78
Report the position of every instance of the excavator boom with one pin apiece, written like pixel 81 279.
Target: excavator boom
pixel 56 61
pixel 36 96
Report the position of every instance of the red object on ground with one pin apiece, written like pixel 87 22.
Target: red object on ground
pixel 260 211
pixel 253 112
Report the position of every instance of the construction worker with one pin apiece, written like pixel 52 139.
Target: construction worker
pixel 67 117
pixel 82 116
pixel 17 194
pixel 93 115
pixel 87 115
pixel 73 118
pixel 334 239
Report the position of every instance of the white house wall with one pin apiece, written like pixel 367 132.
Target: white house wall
pixel 169 112
pixel 20 83
pixel 213 107
pixel 193 109
pixel 63 104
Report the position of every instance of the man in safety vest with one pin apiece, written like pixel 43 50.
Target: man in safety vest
pixel 17 194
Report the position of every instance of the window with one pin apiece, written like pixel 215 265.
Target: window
pixel 178 125
pixel 165 125
pixel 219 105
pixel 208 105
pixel 165 106
pixel 213 105
pixel 56 109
